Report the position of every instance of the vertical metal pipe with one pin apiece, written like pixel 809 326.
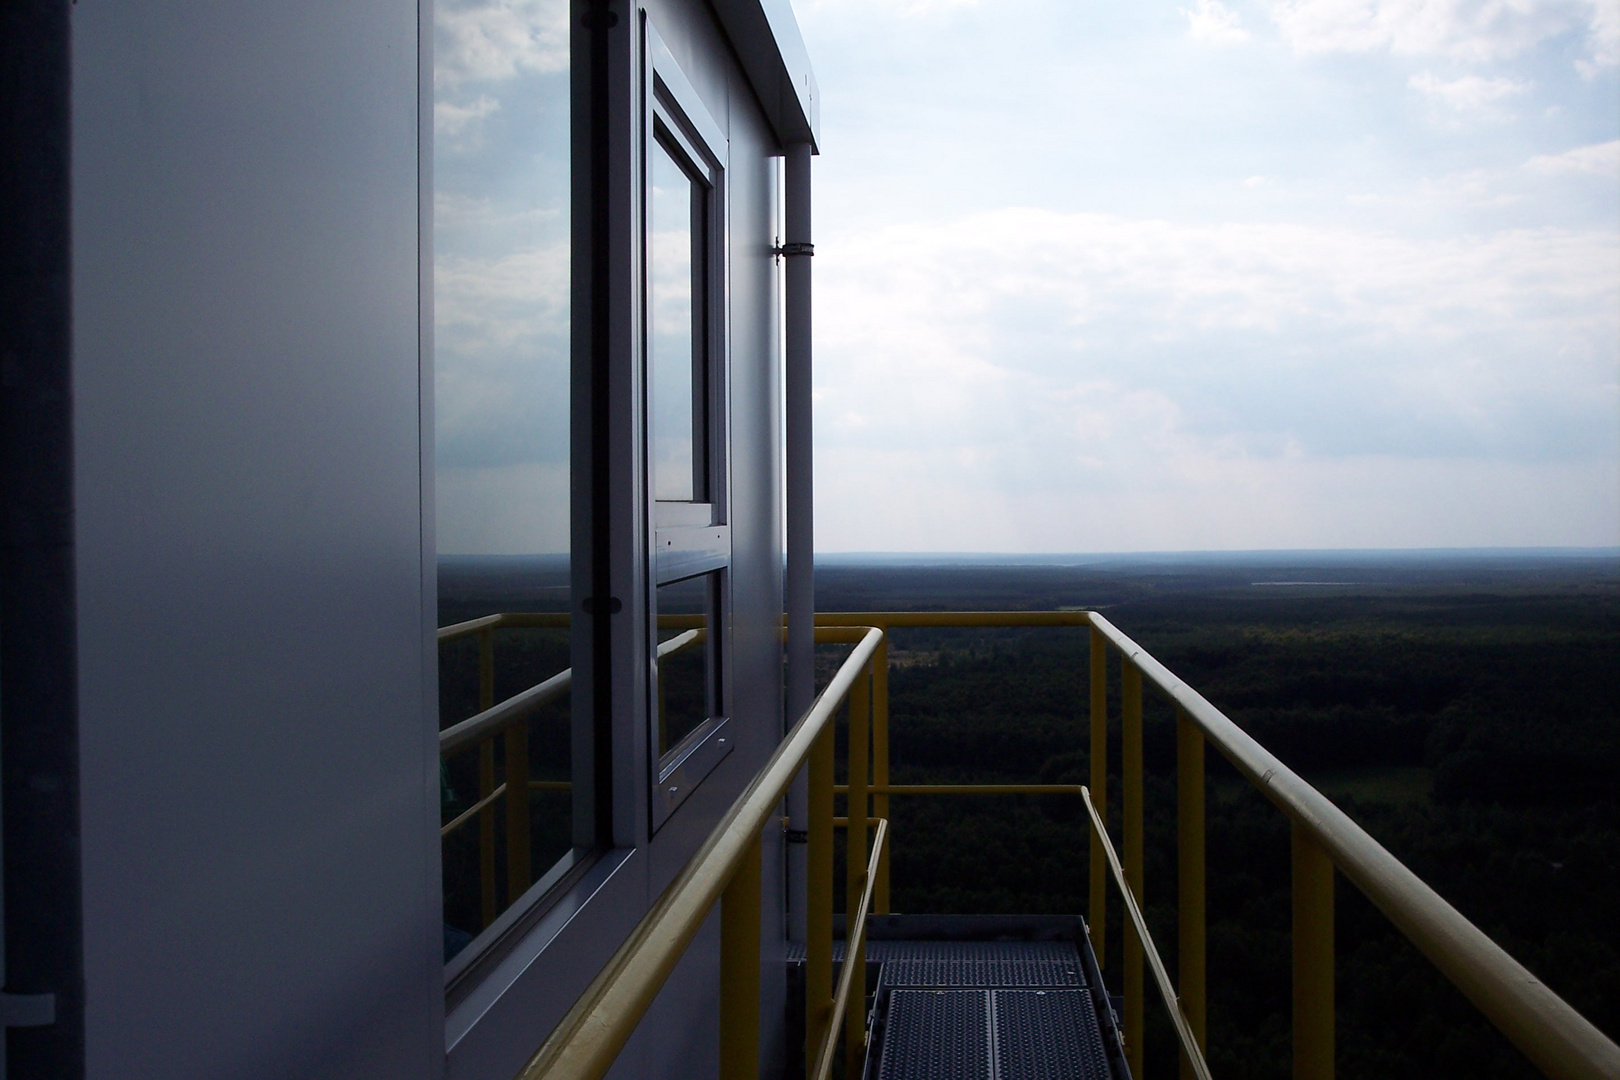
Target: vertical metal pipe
pixel 860 697
pixel 1131 770
pixel 1098 872
pixel 880 766
pixel 798 421
pixel 1190 877
pixel 818 984
pixel 739 971
pixel 1313 959
pixel 486 782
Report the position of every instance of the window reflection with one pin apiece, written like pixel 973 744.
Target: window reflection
pixel 688 672
pixel 501 386
pixel 674 337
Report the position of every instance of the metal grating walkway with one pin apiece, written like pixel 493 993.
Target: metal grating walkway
pixel 979 1010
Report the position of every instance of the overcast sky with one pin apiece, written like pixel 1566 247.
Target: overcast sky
pixel 1113 276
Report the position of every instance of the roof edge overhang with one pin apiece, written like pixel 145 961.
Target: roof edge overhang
pixel 767 39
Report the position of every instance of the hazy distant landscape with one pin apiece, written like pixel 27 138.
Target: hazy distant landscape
pixel 1464 707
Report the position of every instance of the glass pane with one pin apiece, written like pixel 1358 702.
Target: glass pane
pixel 501 385
pixel 687 682
pixel 675 379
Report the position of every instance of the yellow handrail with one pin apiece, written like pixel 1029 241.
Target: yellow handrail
pixel 1560 1041
pixel 1172 1004
pixel 530 701
pixel 854 953
pixel 584 1045
pixel 1555 1037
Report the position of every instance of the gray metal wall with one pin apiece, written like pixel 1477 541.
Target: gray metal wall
pixel 259 792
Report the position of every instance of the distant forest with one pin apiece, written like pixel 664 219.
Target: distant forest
pixel 1466 711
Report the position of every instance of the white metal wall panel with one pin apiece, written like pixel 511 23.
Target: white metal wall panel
pixel 258 780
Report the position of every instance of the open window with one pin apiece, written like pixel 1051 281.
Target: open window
pixel 684 161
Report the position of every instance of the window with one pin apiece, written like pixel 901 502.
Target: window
pixel 512 820
pixel 686 411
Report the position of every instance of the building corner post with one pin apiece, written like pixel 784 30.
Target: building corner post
pixel 799 422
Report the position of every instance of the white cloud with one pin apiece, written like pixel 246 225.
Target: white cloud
pixel 1471 30
pixel 1212 21
pixel 1473 189
pixel 893 501
pixel 1032 380
pixel 454 215
pixel 1603 38
pixel 517 295
pixel 454 121
pixel 1470 94
pixel 1601 159
pixel 497 39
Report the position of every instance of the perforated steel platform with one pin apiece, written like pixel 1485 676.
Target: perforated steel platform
pixel 1004 1034
pixel 978 1010
pixel 981 997
pixel 985 964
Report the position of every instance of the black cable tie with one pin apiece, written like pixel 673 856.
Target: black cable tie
pixel 794 249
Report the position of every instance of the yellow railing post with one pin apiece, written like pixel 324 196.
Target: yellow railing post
pixel 1313 958
pixel 1099 787
pixel 1131 770
pixel 880 767
pixel 739 971
pixel 517 810
pixel 818 984
pixel 1190 877
pixel 486 781
pixel 860 699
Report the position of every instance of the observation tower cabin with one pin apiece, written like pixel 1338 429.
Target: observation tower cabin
pixel 406 625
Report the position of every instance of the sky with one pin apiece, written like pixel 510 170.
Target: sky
pixel 1138 276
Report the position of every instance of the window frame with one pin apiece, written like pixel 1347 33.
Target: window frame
pixel 689 538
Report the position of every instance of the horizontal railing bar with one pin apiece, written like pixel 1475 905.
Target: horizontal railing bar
pixel 513 709
pixel 466 815
pixel 895 619
pixel 471 626
pixel 520 705
pixel 546 620
pixel 1560 1041
pixel 855 946
pixel 966 789
pixel 584 1045
pixel 1172 1003
pixel 837 635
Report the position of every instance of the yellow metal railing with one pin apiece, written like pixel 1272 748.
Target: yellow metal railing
pixel 727 869
pixel 504 720
pixel 481 730
pixel 1556 1038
